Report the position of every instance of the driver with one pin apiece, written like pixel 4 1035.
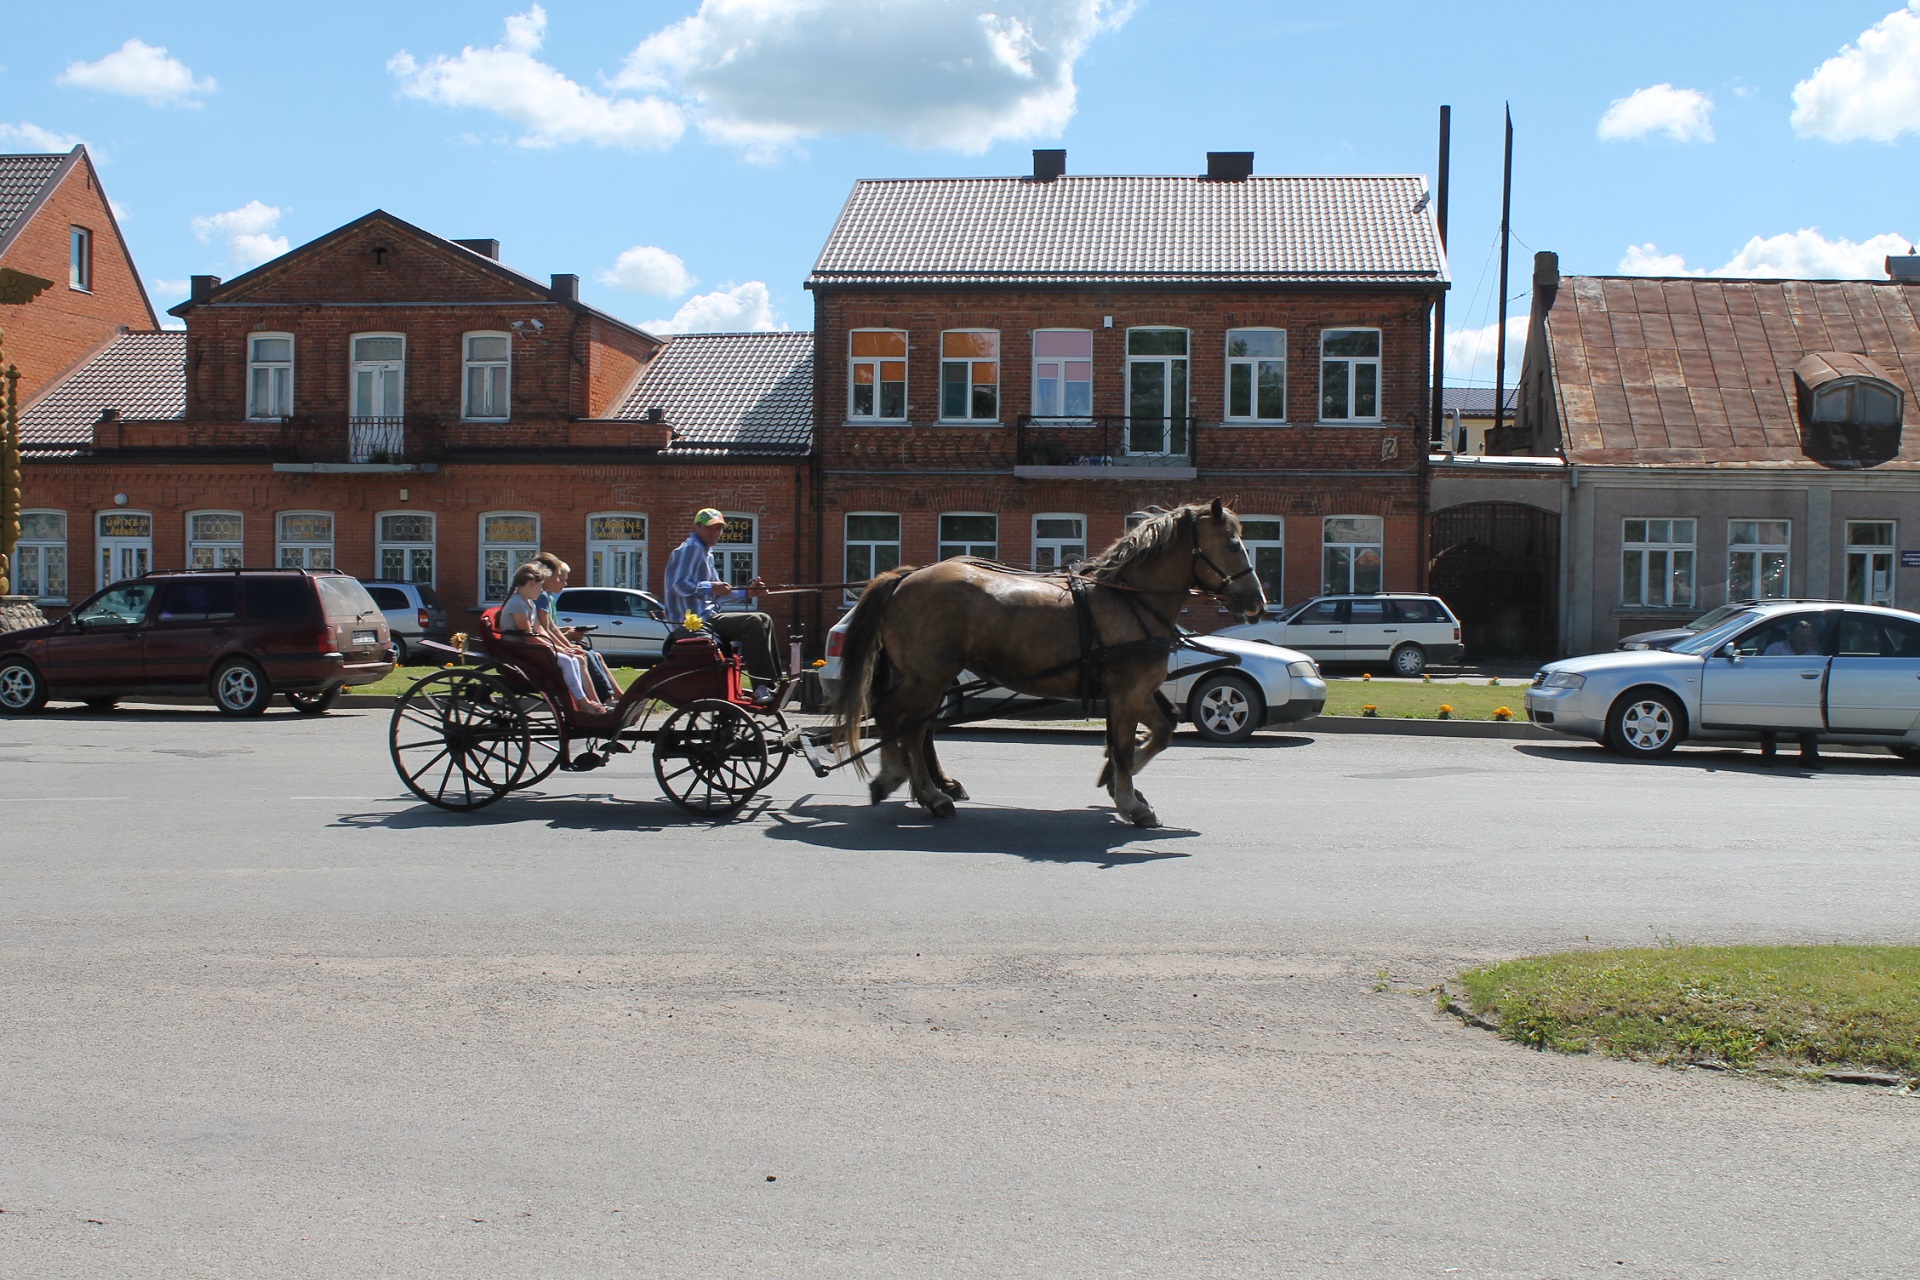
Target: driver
pixel 694 585
pixel 1796 643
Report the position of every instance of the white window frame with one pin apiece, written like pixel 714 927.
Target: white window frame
pixel 598 549
pixel 1058 411
pixel 1756 553
pixel 355 365
pixel 225 553
pixel 1868 552
pixel 279 389
pixel 1353 364
pixel 407 550
pixel 878 363
pixel 1055 544
pixel 80 259
pixel 1356 550
pixel 38 547
pixel 1177 418
pixel 302 549
pixel 1255 546
pixel 467 366
pixel 1252 365
pixel 522 549
pixel 105 547
pixel 970 363
pixel 1668 554
pixel 738 562
pixel 873 545
pixel 947 548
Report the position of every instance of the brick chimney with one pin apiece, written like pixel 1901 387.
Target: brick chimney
pixel 485 248
pixel 565 288
pixel 200 288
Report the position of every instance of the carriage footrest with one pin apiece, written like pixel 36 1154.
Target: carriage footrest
pixel 811 749
pixel 585 762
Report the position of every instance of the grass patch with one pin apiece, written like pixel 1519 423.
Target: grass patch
pixel 1418 701
pixel 1788 1008
pixel 400 679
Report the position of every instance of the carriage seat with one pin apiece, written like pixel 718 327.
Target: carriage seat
pixel 530 659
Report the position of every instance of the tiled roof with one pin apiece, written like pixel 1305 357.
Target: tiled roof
pixel 1694 372
pixel 1134 230
pixel 21 180
pixel 730 393
pixel 142 375
pixel 1473 402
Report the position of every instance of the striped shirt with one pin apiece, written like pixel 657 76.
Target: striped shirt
pixel 691 578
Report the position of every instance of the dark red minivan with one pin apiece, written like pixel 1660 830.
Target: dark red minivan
pixel 238 636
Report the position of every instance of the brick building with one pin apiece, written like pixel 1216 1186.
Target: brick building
pixel 1013 366
pixel 67 282
pixel 396 404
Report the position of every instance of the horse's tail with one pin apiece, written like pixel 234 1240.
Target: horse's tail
pixel 862 661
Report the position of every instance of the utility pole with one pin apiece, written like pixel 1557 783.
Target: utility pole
pixel 1506 231
pixel 1440 307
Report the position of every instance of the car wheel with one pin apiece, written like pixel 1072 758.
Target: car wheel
pixel 102 704
pixel 240 688
pixel 22 690
pixel 1225 708
pixel 314 704
pixel 1409 660
pixel 1646 723
pixel 401 654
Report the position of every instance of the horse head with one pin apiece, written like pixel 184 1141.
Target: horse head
pixel 1221 565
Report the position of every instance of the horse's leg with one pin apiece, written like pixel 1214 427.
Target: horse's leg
pixel 1155 715
pixel 941 778
pixel 1124 710
pixel 905 719
pixel 893 771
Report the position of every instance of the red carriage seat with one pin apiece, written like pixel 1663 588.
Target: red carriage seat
pixel 529 659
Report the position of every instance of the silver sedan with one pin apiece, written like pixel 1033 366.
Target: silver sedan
pixel 1840 673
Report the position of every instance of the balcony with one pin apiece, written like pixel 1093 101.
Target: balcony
pixel 1104 448
pixel 405 443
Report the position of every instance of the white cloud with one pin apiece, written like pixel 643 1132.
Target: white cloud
pixel 120 212
pixel 551 109
pixel 1870 89
pixel 1792 255
pixel 955 74
pixel 648 269
pixel 139 70
pixel 1471 353
pixel 34 138
pixel 741 309
pixel 1685 115
pixel 171 288
pixel 246 231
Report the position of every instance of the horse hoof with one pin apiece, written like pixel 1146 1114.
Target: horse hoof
pixel 876 793
pixel 955 790
pixel 942 810
pixel 1145 818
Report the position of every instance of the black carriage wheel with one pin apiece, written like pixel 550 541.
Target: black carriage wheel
pixel 774 726
pixel 709 757
pixel 458 740
pixel 546 738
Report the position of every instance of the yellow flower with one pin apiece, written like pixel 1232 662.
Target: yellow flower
pixel 1370 710
pixel 1446 711
pixel 819 662
pixel 1494 682
pixel 459 641
pixel 1503 713
pixel 1366 675
pixel 692 622
pixel 1426 679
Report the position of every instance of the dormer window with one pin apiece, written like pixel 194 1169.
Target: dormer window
pixel 1871 404
pixel 1850 409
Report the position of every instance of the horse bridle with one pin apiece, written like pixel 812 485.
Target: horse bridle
pixel 1202 558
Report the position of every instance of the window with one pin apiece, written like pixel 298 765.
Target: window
pixel 1868 403
pixel 1865 635
pixel 1058 541
pixel 40 556
pixel 196 600
pixel 1266 542
pixel 970 376
pixel 404 548
pixel 123 545
pixel 123 607
pixel 873 546
pixel 507 541
pixel 617 550
pixel 214 540
pixel 379 373
pixel 737 557
pixel 1062 373
pixel 290 598
pixel 878 376
pixel 1656 564
pixel 1157 391
pixel 1757 559
pixel 1256 375
pixel 1793 635
pixel 1350 375
pixel 1351 555
pixel 269 375
pixel 487 360
pixel 305 540
pixel 80 259
pixel 1870 561
pixel 970 535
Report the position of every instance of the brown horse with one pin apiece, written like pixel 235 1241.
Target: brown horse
pixel 914 630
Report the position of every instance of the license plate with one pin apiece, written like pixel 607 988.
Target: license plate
pixel 364 639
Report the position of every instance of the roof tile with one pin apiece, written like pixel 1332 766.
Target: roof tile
pixel 730 393
pixel 143 376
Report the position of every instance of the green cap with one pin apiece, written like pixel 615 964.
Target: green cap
pixel 707 515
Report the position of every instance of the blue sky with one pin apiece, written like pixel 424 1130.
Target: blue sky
pixel 687 159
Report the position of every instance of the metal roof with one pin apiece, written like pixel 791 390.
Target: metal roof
pixel 143 376
pixel 1474 402
pixel 23 182
pixel 730 393
pixel 1170 230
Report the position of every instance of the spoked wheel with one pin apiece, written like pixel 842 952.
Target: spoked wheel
pixel 459 740
pixel 774 726
pixel 546 739
pixel 710 757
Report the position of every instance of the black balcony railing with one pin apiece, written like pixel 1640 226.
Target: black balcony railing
pixel 1105 442
pixel 359 440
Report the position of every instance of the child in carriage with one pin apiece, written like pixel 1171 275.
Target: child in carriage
pixel 519 619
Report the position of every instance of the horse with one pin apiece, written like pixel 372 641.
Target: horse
pixel 1102 629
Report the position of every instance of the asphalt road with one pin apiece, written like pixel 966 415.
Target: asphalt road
pixel 260 1015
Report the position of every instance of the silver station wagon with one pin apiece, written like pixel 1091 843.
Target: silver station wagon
pixel 1841 672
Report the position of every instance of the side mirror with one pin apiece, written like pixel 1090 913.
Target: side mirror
pixel 1730 651
pixel 73 623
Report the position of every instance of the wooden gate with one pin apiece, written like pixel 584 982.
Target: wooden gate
pixel 1497 565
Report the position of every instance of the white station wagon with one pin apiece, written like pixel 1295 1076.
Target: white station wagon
pixel 1403 631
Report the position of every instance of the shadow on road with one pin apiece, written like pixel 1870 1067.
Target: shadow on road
pixel 1093 834
pixel 1725 760
pixel 576 811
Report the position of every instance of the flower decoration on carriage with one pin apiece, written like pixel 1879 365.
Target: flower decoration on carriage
pixel 692 622
pixel 459 641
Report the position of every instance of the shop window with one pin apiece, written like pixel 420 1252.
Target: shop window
pixel 305 540
pixel 40 556
pixel 507 541
pixel 405 545
pixel 214 540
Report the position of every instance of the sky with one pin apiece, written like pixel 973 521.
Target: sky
pixel 686 159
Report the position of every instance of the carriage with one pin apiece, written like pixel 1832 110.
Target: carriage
pixel 464 736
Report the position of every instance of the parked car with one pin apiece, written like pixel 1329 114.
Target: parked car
pixel 1842 672
pixel 1667 637
pixel 1405 632
pixel 238 636
pixel 414 613
pixel 1271 686
pixel 627 623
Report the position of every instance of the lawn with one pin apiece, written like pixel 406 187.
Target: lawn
pixel 1774 1008
pixel 1416 701
pixel 400 679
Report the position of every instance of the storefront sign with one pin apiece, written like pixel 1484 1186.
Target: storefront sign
pixel 1910 559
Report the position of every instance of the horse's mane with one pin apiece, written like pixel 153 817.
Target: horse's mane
pixel 1149 538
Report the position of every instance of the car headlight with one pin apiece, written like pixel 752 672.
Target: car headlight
pixel 1303 669
pixel 1563 680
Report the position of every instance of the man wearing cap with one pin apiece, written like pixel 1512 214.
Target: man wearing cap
pixel 694 586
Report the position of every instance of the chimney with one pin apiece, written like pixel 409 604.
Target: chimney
pixel 201 288
pixel 1229 166
pixel 656 414
pixel 1905 269
pixel 485 248
pixel 1048 165
pixel 1546 281
pixel 565 288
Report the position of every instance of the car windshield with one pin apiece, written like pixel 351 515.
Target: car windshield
pixel 344 597
pixel 1714 617
pixel 1713 637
